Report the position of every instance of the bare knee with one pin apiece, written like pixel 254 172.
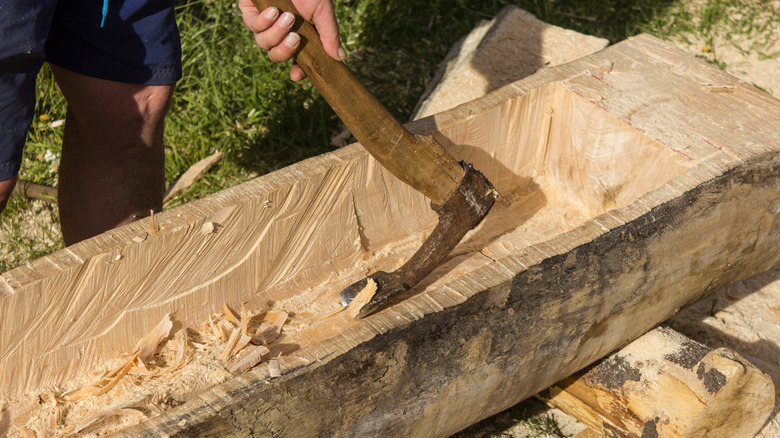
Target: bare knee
pixel 121 110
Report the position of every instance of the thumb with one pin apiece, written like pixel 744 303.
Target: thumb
pixel 324 20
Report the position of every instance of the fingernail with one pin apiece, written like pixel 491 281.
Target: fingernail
pixel 287 19
pixel 271 13
pixel 292 40
pixel 342 54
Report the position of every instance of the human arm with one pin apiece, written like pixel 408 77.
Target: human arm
pixel 272 30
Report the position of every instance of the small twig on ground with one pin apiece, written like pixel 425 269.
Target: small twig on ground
pixel 36 191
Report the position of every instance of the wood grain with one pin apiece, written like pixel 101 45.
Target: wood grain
pixel 673 195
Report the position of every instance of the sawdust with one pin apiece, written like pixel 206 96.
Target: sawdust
pixel 165 369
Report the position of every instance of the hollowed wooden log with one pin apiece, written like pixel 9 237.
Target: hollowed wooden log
pixel 633 181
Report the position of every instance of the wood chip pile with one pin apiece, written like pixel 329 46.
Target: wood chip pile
pixel 169 366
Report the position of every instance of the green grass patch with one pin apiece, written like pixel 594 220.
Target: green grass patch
pixel 748 26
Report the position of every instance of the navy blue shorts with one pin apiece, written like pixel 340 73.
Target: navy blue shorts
pixel 133 41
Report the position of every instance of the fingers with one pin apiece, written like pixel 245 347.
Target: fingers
pixel 255 20
pixel 285 49
pixel 273 30
pixel 272 33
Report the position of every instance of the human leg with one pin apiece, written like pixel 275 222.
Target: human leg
pixel 116 67
pixel 112 165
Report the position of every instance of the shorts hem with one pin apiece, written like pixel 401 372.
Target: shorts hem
pixel 150 75
pixel 9 170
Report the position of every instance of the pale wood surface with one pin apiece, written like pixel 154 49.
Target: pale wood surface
pixel 511 46
pixel 578 258
pixel 514 45
pixel 474 344
pixel 666 385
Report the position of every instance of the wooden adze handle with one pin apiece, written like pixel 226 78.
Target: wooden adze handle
pixel 417 160
pixel 460 195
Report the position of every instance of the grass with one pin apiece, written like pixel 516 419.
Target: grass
pixel 32 234
pixel 749 27
pixel 529 419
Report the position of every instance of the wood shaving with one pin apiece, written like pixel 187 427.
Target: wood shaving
pixel 192 175
pixel 136 364
pixel 101 416
pixel 208 228
pixel 104 383
pixel 56 417
pixel 273 368
pixel 181 344
pixel 240 337
pixel 271 328
pixel 148 345
pixel 154 227
pixel 243 342
pixel 25 432
pixel 244 321
pixel 140 384
pixel 252 359
pixel 361 299
pixel 230 315
pixel 231 345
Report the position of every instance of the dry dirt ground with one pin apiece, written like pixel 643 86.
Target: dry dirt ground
pixel 751 54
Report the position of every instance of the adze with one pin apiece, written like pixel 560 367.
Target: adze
pixel 459 194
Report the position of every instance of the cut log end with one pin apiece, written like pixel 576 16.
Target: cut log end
pixel 666 385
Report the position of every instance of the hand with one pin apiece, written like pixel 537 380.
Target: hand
pixel 272 30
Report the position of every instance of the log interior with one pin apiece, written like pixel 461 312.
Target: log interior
pixel 558 161
pixel 607 173
pixel 294 238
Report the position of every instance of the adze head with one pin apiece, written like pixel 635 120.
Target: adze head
pixel 462 211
